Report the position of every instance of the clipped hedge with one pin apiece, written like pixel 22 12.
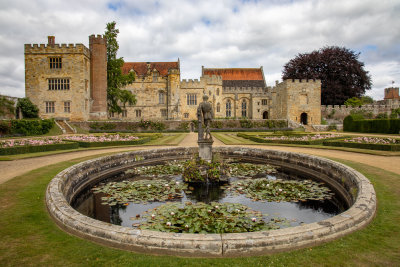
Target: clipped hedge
pixel 115 143
pixel 26 126
pixel 341 143
pixel 34 149
pixel 299 142
pixel 355 124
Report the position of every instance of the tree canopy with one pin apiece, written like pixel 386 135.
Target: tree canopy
pixel 342 75
pixel 355 101
pixel 115 78
pixel 28 109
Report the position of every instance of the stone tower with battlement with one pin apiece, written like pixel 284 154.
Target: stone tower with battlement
pixel 67 81
pixel 98 76
pixel 57 79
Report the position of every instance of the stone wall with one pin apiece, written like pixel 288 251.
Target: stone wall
pixel 339 112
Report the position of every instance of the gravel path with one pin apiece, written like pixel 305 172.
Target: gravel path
pixel 10 169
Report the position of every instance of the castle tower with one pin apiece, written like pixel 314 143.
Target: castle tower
pixel 57 78
pixel 391 93
pixel 98 76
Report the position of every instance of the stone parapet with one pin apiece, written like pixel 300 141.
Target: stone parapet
pixel 57 49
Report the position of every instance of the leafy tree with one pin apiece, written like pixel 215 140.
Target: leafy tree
pixel 367 100
pixel 342 75
pixel 6 106
pixel 353 102
pixel 28 109
pixel 115 79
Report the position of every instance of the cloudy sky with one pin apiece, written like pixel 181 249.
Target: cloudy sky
pixel 210 33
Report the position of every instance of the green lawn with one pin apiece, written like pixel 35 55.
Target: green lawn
pixel 30 237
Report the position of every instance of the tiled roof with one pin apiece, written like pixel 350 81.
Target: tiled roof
pixel 244 74
pixel 141 67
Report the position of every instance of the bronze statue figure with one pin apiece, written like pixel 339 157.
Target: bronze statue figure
pixel 205 116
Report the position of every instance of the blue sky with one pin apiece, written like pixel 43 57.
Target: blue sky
pixel 224 33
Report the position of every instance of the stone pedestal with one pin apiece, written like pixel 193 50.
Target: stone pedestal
pixel 205 149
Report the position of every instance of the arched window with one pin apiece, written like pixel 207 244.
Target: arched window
pixel 228 108
pixel 218 107
pixel 244 108
pixel 217 91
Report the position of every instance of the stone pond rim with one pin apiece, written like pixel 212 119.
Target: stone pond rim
pixel 356 189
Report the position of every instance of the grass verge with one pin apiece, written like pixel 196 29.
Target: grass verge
pixel 30 237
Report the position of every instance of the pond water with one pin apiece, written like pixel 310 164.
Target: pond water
pixel 290 213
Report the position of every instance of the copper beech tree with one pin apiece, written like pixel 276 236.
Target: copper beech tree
pixel 342 75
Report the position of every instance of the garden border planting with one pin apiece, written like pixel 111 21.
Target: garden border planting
pixel 342 143
pixel 41 148
pixel 299 142
pixel 65 185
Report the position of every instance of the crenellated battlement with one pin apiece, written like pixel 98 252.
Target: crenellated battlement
pixel 260 90
pixel 302 81
pixel 192 83
pixel 56 49
pixel 99 39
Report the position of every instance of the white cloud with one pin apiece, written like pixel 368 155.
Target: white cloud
pixel 227 33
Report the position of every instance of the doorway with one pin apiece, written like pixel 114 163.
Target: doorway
pixel 303 118
pixel 265 115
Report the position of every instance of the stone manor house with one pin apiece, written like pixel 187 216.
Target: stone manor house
pixel 70 82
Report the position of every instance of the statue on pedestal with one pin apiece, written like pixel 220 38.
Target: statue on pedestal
pixel 205 116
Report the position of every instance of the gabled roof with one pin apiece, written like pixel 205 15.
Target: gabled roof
pixel 237 73
pixel 141 67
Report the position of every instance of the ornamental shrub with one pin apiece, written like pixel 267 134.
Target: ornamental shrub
pixel 31 127
pixel 28 109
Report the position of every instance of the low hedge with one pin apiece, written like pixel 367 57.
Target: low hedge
pixel 136 132
pixel 34 149
pixel 356 124
pixel 300 142
pixel 341 143
pixel 115 143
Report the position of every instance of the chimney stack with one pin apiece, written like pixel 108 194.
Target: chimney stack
pixel 51 40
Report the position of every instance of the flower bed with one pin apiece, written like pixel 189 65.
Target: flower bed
pixel 374 143
pixel 107 140
pixel 31 145
pixel 314 139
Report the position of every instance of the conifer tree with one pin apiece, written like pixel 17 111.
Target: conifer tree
pixel 116 97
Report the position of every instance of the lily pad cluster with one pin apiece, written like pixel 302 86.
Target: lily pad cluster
pixel 140 191
pixel 263 189
pixel 171 168
pixel 206 218
pixel 248 169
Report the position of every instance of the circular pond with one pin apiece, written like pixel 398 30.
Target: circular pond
pixel 340 200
